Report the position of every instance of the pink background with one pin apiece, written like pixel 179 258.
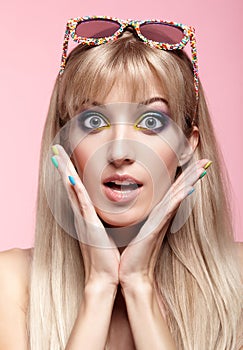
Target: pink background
pixel 30 57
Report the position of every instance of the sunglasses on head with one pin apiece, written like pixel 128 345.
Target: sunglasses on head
pixel 164 35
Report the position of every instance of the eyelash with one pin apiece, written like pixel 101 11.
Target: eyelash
pixel 160 117
pixel 86 116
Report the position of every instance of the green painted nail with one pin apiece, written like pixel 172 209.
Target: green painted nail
pixel 54 162
pixel 55 150
pixel 208 164
pixel 204 173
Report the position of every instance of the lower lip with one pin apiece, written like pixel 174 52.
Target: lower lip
pixel 121 196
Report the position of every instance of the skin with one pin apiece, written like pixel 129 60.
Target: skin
pixel 14 272
pixel 128 271
pixel 106 269
pixel 121 157
pixel 119 297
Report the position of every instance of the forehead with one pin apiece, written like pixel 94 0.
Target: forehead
pixel 122 104
pixel 122 92
pixel 124 89
pixel 132 84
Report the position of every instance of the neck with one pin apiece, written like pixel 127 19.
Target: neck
pixel 123 235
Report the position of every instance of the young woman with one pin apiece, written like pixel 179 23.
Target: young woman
pixel 134 246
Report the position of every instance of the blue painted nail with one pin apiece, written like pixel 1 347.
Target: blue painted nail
pixel 54 162
pixel 191 191
pixel 71 179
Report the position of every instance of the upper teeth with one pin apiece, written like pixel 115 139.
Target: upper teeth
pixel 126 182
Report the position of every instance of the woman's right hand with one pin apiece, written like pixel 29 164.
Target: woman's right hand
pixel 100 255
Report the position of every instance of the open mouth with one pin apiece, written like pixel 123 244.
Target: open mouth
pixel 124 186
pixel 122 190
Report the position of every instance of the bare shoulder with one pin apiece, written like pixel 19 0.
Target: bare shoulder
pixel 16 256
pixel 15 268
pixel 14 282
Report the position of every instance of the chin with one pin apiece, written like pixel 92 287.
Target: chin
pixel 121 219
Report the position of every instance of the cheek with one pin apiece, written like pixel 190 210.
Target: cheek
pixel 163 174
pixel 86 150
pixel 168 158
pixel 171 162
pixel 80 156
pixel 90 151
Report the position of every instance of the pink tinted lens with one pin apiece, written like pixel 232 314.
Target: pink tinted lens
pixel 97 28
pixel 161 32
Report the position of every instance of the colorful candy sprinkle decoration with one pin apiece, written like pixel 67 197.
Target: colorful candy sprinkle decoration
pixel 187 33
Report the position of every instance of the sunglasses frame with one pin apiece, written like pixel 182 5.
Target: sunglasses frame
pixel 188 31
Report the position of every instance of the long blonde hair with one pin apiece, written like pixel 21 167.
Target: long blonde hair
pixel 197 274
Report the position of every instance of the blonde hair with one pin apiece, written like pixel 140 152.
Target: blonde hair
pixel 197 274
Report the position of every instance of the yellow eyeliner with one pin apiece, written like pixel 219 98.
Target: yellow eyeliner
pixel 138 121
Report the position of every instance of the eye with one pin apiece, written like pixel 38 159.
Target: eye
pixel 153 122
pixel 92 121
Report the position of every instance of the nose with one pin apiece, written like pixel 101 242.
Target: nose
pixel 121 149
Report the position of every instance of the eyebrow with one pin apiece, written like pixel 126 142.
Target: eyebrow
pixel 147 102
pixel 154 99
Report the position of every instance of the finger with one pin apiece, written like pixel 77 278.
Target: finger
pixel 182 187
pixel 188 178
pixel 196 169
pixel 58 162
pixel 161 214
pixel 74 183
pixel 89 228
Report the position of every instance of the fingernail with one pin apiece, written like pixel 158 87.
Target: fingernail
pixel 55 150
pixel 71 179
pixel 54 162
pixel 191 191
pixel 208 164
pixel 204 173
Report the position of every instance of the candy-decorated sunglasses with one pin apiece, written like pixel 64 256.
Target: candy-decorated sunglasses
pixel 164 35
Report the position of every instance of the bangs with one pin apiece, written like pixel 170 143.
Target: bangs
pixel 133 84
pixel 136 70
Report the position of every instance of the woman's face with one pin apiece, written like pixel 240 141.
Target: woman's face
pixel 126 155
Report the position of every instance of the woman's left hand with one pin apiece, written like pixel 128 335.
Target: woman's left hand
pixel 139 258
